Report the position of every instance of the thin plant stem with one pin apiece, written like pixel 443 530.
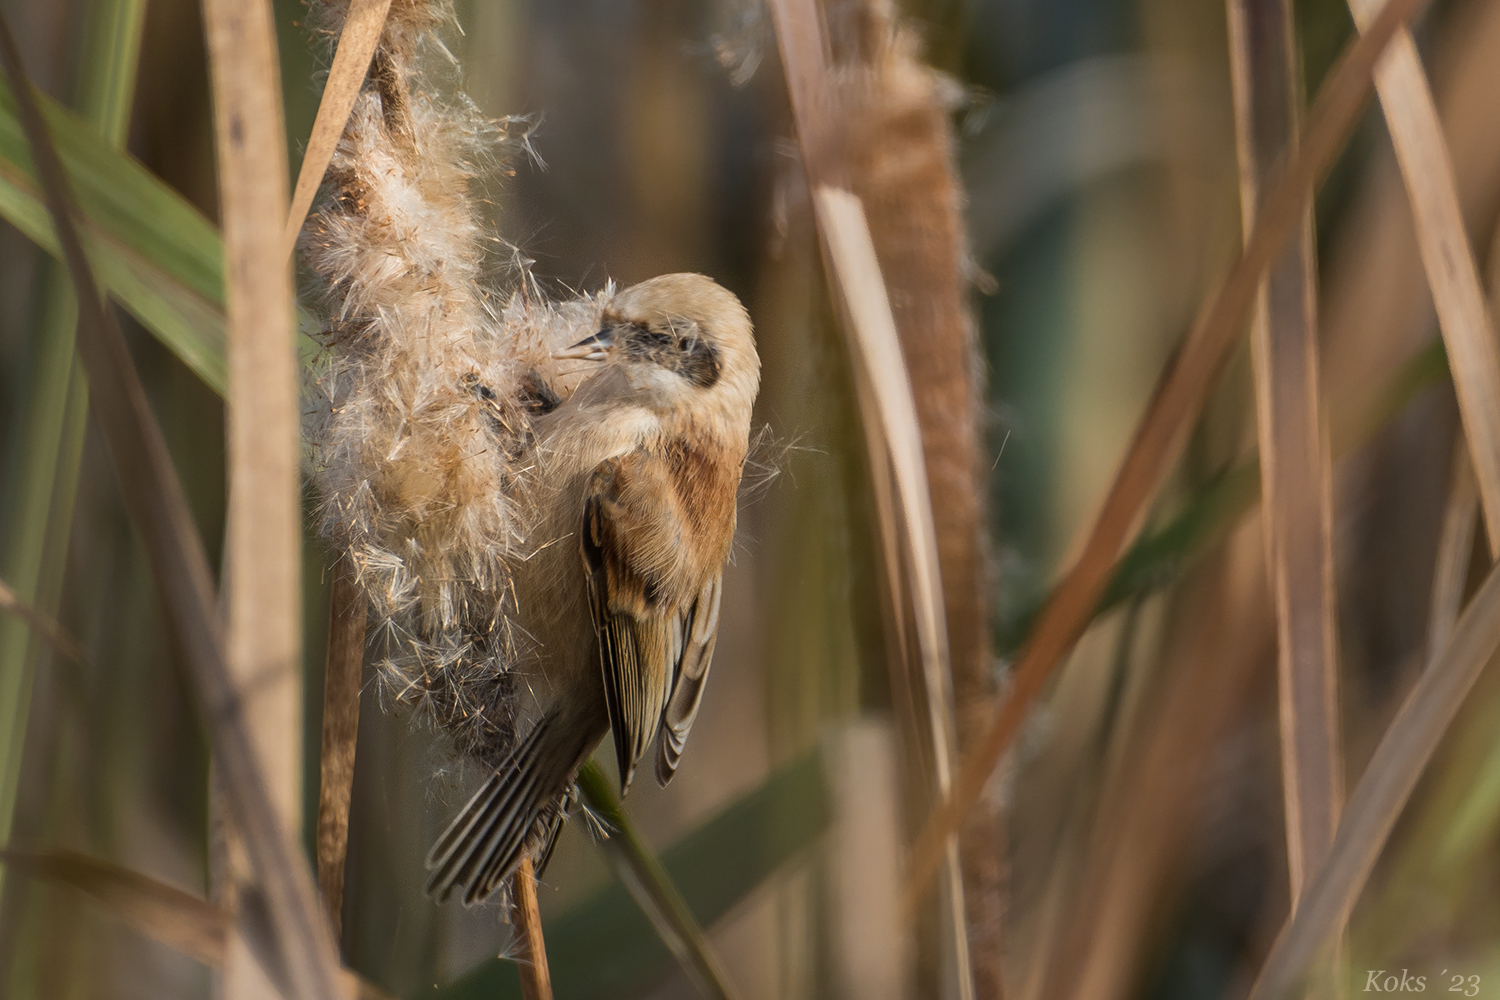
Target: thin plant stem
pixel 1297 507
pixel 526 918
pixel 642 873
pixel 347 618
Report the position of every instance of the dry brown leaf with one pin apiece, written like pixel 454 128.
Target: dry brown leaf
pixel 878 358
pixel 881 371
pixel 899 154
pixel 890 418
pixel 1422 151
pixel 357 41
pixel 1159 436
pixel 878 365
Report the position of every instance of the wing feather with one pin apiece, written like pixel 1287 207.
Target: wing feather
pixel 655 649
pixel 634 639
pixel 700 626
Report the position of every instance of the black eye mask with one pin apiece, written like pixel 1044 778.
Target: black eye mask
pixel 691 357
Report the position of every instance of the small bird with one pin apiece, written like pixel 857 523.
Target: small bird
pixel 617 606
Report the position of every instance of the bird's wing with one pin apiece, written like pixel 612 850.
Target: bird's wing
pixel 631 524
pixel 699 628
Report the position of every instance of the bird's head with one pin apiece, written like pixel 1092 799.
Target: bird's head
pixel 684 343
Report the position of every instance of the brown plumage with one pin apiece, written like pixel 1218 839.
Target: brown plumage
pixel 617 598
pixel 539 537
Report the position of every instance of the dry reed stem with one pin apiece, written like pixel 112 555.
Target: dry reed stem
pixel 263 535
pixel 1296 476
pixel 1382 792
pixel 878 365
pixel 154 500
pixel 899 150
pixel 526 918
pixel 1455 548
pixel 888 411
pixel 347 615
pixel 1159 436
pixel 1377 303
pixel 876 351
pixel 357 41
pixel 1422 152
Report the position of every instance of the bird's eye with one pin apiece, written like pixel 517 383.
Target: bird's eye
pixel 682 344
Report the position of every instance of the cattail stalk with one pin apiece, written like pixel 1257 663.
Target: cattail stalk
pixel 900 156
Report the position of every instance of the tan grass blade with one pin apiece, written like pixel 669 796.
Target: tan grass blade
pixel 1159 437
pixel 900 150
pixel 357 41
pixel 175 917
pixel 155 502
pixel 879 366
pixel 878 360
pixel 1374 287
pixel 526 918
pixel 1422 152
pixel 889 412
pixel 262 561
pixel 1382 791
pixel 341 681
pixel 1296 477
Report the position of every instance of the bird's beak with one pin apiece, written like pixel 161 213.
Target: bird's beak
pixel 595 348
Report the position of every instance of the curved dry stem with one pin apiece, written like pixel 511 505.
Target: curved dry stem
pixel 357 41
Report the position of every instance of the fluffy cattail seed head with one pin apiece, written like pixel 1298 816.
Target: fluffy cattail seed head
pixel 418 411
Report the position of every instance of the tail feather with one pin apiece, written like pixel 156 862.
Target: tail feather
pixel 497 845
pixel 519 804
pixel 499 850
pixel 458 831
pixel 544 831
